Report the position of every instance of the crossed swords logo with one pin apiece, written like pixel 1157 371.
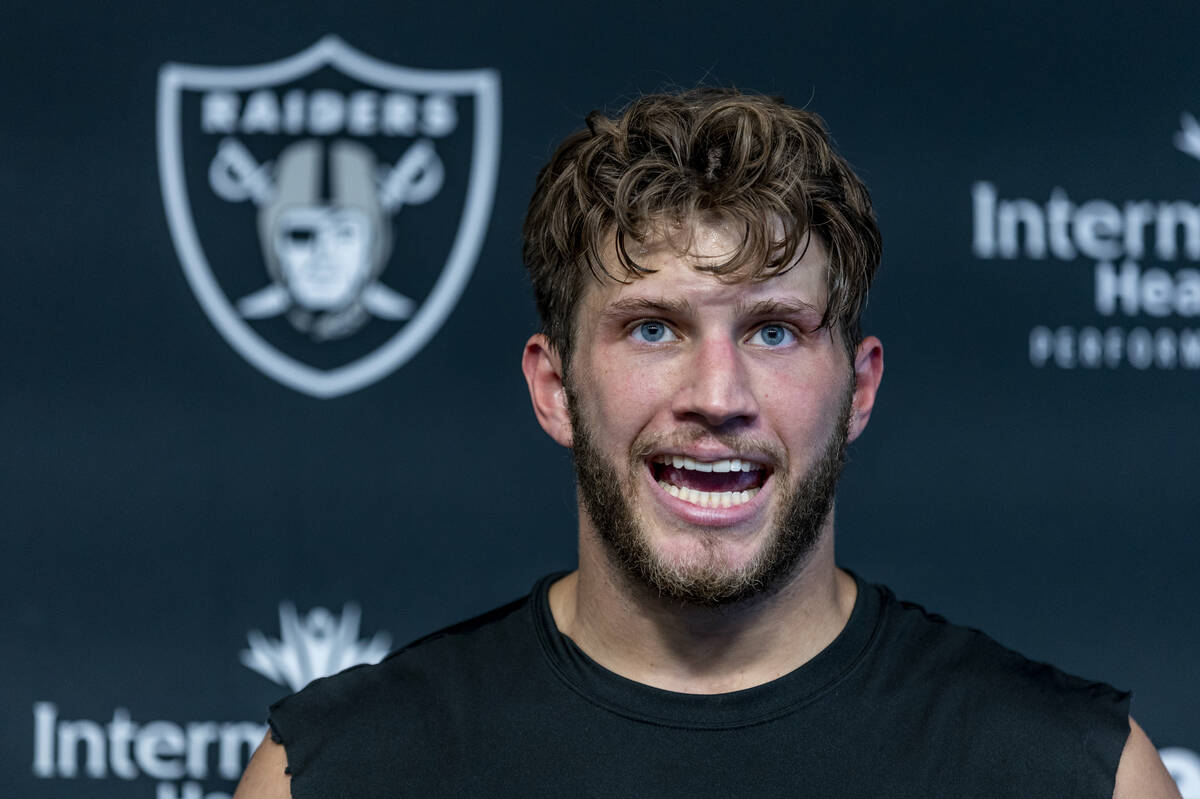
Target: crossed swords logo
pixel 415 178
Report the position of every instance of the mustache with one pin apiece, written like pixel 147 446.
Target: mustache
pixel 759 450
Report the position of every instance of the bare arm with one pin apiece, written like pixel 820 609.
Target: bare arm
pixel 265 777
pixel 1141 774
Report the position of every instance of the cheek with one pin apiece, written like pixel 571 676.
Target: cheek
pixel 623 401
pixel 626 396
pixel 803 410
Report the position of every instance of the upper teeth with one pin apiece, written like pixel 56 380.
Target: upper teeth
pixel 726 465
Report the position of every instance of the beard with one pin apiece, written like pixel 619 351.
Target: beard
pixel 796 529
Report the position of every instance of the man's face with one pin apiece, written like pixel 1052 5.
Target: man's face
pixel 709 421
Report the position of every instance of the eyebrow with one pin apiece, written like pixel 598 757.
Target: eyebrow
pixel 647 305
pixel 776 306
pixel 661 306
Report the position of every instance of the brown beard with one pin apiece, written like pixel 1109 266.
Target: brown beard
pixel 797 529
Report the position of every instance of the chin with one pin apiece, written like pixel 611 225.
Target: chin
pixel 705 551
pixel 700 568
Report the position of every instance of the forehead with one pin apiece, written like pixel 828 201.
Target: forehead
pixel 679 259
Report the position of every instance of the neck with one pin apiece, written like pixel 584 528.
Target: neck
pixel 631 630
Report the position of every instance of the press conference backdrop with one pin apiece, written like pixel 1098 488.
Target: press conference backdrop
pixel 217 485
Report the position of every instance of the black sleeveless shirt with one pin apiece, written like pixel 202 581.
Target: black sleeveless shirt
pixel 901 704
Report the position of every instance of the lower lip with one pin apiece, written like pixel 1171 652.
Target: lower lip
pixel 710 517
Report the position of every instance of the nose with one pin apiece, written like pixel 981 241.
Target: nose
pixel 716 389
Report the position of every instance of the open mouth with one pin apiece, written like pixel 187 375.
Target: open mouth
pixel 724 483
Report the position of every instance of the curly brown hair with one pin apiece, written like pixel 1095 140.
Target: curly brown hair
pixel 702 154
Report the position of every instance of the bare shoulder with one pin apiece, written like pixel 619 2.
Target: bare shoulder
pixel 265 776
pixel 1141 774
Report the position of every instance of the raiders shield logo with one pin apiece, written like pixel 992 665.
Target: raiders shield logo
pixel 327 208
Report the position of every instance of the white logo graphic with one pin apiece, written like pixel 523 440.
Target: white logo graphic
pixel 1188 137
pixel 181 757
pixel 338 165
pixel 318 645
pixel 1184 767
pixel 1133 245
pixel 324 259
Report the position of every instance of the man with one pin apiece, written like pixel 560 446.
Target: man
pixel 700 264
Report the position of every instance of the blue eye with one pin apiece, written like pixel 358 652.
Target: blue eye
pixel 773 336
pixel 653 332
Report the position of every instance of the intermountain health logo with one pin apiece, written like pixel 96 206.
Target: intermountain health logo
pixel 1184 767
pixel 316 646
pixel 1134 246
pixel 327 209
pixel 182 757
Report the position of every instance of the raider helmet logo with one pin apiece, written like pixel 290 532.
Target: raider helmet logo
pixel 328 208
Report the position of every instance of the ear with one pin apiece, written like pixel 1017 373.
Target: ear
pixel 868 372
pixel 543 374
